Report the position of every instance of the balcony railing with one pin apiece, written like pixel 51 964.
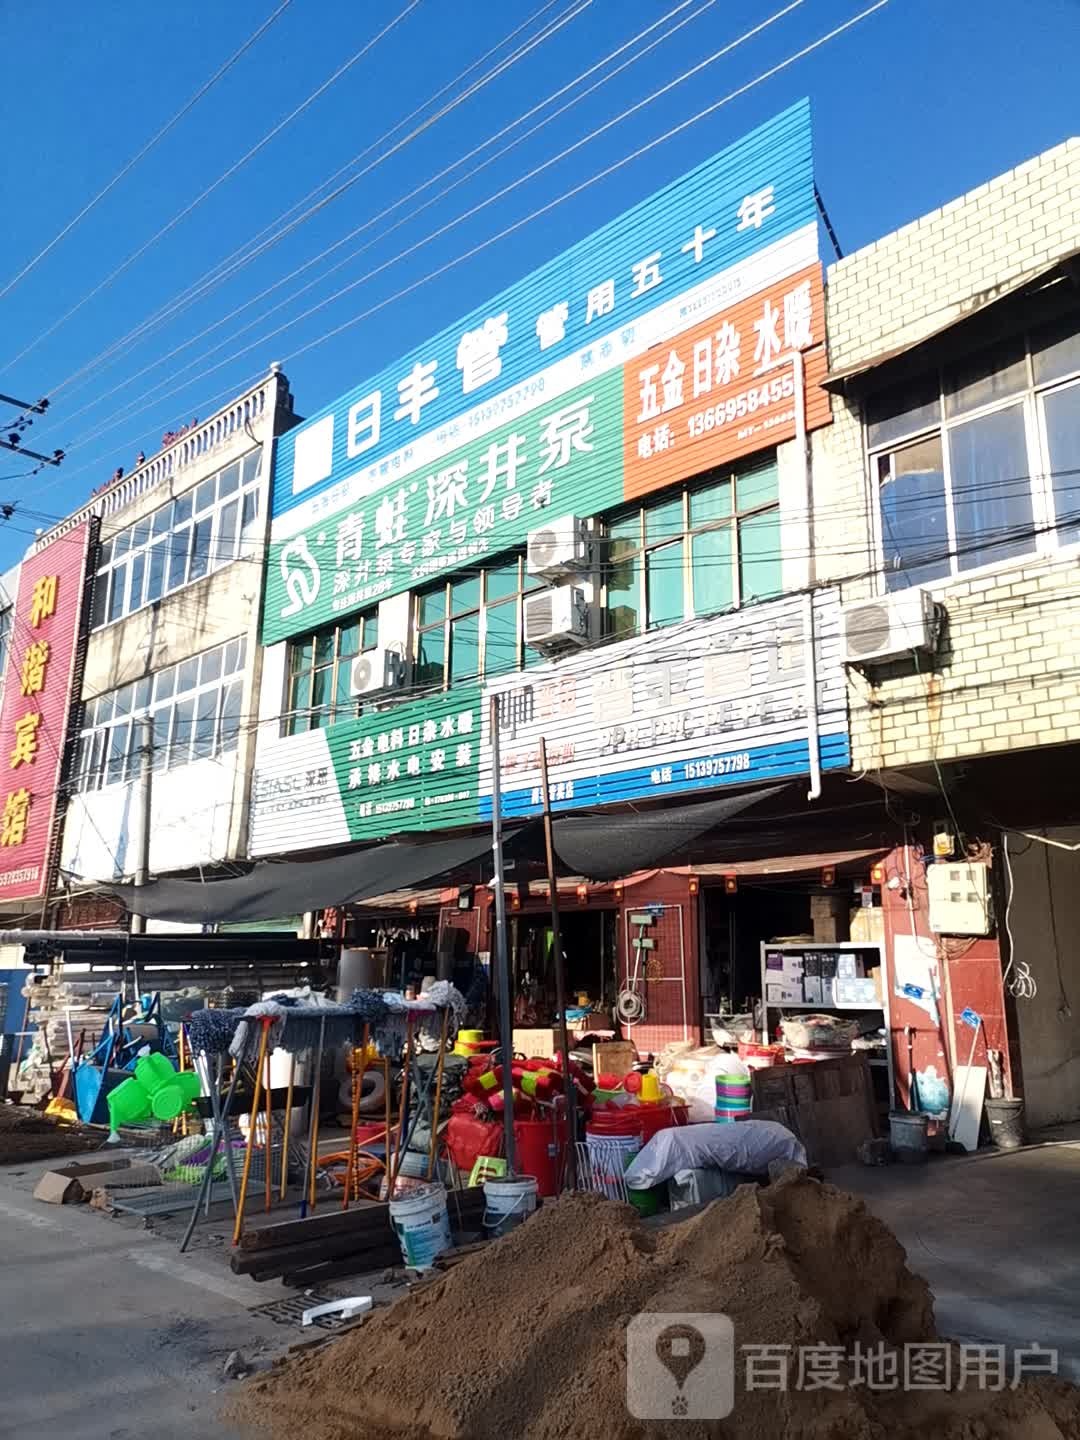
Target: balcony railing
pixel 173 459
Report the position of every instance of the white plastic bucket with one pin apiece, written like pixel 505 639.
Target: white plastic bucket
pixel 908 1136
pixel 508 1202
pixel 422 1226
pixel 609 1158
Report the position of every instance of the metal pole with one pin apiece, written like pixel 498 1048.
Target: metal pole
pixel 146 779
pixel 502 953
pixel 560 979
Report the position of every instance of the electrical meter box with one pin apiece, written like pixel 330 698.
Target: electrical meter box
pixel 959 898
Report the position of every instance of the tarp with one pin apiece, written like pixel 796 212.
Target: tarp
pixel 607 847
pixel 600 847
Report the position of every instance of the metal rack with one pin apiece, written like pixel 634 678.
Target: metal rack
pixel 770 1008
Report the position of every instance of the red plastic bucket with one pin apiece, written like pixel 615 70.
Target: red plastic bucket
pixel 642 1119
pixel 541 1151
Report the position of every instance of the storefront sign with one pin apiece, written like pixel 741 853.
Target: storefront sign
pixel 34 714
pixel 704 704
pixel 521 408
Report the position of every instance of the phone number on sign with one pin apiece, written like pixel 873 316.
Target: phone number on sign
pixel 781 387
pixel 717 765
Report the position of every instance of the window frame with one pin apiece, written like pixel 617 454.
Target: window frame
pixel 297 719
pixel 1044 518
pixel 184 515
pixel 732 523
pixel 95 748
pixel 525 584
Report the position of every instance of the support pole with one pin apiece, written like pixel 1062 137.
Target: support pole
pixel 316 1102
pixel 438 1094
pixel 560 978
pixel 502 955
pixel 252 1123
pixel 358 1085
pixel 288 1127
pixel 146 781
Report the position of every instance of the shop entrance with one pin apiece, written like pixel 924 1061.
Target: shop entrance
pixel 589 951
pixel 735 926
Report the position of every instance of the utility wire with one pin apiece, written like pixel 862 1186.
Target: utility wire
pixel 222 178
pixel 154 140
pixel 259 243
pixel 396 204
pixel 535 214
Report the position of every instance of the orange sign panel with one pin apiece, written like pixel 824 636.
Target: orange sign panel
pixel 723 389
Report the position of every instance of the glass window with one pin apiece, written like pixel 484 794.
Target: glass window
pixel 624 596
pixel 187 675
pixel 5 636
pixel 1061 413
pixel 904 411
pixel 991 489
pixel 757 487
pixel 210 667
pixel 1055 350
pixel 432 606
pixel 985 378
pixel 320 673
pixel 501 638
pixel 711 504
pixel 183 724
pixel 431 657
pixel 664 521
pixel 501 582
pixel 143 690
pixel 465 595
pixel 116 765
pixel 161 720
pixel 165 551
pixel 230 717
pixel 914 515
pixel 760 561
pixel 164 683
pixel 713 570
pixel 206 712
pixel 664 579
pixel 465 648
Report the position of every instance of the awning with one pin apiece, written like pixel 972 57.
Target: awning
pixel 605 847
pixel 600 847
pixel 929 328
pixel 281 887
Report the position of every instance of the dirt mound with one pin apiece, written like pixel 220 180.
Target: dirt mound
pixel 527 1338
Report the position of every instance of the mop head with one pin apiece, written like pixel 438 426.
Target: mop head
pixel 211 1031
pixel 447 997
pixel 245 1043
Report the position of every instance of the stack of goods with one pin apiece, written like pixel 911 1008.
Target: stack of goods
pixel 540 1133
pixel 819 1037
pixel 53 1002
pixel 733 1094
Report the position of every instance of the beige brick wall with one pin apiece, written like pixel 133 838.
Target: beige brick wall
pixel 926 275
pixel 1008 675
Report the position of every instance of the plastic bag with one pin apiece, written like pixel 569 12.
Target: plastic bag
pixel 697 1187
pixel 746 1147
pixel 692 1077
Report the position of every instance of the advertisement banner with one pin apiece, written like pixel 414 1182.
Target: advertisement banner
pixel 709 703
pixel 34 714
pixel 481 427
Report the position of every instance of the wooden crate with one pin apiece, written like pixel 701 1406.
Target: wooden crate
pixel 831 1101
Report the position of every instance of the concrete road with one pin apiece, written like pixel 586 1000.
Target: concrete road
pixel 996 1237
pixel 107 1333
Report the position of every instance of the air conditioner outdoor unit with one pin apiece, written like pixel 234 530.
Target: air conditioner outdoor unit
pixel 561 548
pixel 890 627
pixel 556 619
pixel 376 670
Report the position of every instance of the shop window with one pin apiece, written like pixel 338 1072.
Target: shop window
pixel 995 473
pixel 706 548
pixel 180 542
pixel 319 668
pixel 472 625
pixel 194 708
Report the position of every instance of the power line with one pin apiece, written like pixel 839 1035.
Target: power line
pixel 154 140
pixel 396 204
pixel 226 175
pixel 535 214
pixel 256 246
pixel 501 193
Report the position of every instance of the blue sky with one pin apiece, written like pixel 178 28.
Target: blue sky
pixel 920 102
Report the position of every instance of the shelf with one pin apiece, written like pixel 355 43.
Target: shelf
pixel 808 1005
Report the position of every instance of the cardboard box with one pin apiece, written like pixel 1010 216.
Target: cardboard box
pixel 848 967
pixel 782 994
pixel 856 991
pixel 812 989
pixel 72 1184
pixel 868 925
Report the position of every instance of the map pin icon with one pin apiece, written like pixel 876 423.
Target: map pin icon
pixel 680 1349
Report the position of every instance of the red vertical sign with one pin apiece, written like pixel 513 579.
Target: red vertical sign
pixel 37 702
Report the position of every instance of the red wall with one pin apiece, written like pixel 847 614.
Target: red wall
pixel 664 998
pixel 969 976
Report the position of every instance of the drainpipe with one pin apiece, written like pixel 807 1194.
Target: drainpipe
pixel 810 681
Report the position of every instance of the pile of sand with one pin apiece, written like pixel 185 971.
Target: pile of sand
pixel 526 1339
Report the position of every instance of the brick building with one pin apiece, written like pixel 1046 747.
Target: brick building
pixel 953 464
